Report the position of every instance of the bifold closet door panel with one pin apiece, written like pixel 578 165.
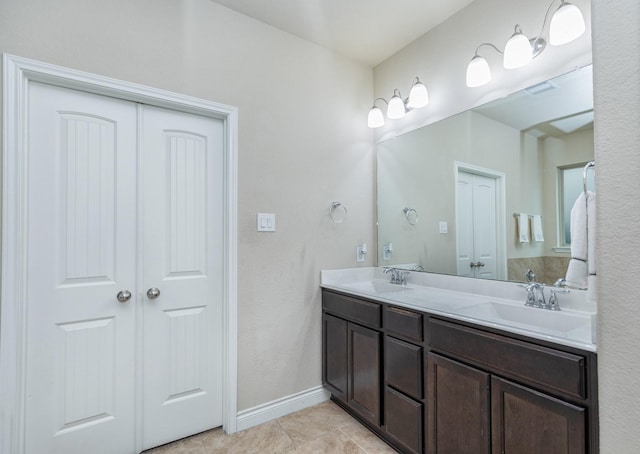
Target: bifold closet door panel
pixel 81 242
pixel 183 169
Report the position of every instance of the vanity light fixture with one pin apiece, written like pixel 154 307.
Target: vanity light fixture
pixel 567 24
pixel 397 107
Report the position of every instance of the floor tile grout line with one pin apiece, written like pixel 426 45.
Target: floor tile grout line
pixel 293 443
pixel 353 440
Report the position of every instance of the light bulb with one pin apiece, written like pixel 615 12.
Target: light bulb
pixel 418 96
pixel 396 108
pixel 375 118
pixel 518 51
pixel 567 24
pixel 478 72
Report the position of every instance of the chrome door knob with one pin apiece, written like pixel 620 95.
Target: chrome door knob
pixel 123 296
pixel 153 293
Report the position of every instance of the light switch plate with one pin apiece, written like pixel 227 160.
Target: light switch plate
pixel 444 227
pixel 266 222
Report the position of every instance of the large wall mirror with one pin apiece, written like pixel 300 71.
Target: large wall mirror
pixel 456 196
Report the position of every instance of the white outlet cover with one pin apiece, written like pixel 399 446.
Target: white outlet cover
pixel 443 227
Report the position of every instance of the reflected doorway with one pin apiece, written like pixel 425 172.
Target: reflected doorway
pixel 480 215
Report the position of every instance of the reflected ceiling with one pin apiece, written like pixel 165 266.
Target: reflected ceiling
pixel 548 109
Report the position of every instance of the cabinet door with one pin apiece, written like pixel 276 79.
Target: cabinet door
pixel 458 407
pixel 524 420
pixel 364 372
pixel 334 355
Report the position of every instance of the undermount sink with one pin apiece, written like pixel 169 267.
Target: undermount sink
pixel 556 321
pixel 375 287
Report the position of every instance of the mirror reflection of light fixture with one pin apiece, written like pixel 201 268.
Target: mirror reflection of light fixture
pixel 397 107
pixel 567 24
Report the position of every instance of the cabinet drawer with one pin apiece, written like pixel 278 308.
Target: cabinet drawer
pixel 403 322
pixel 529 363
pixel 403 420
pixel 360 311
pixel 403 366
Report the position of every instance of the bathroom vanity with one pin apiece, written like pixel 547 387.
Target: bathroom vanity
pixel 432 370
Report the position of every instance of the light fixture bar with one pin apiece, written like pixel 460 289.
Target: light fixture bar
pixel 397 107
pixel 567 24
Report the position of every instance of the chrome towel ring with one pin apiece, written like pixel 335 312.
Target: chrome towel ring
pixel 337 212
pixel 412 215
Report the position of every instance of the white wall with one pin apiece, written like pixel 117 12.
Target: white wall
pixel 303 142
pixel 616 57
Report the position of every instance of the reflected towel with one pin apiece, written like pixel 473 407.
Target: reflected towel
pixel 523 227
pixel 582 241
pixel 537 228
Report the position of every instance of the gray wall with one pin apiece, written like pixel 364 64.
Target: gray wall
pixel 616 57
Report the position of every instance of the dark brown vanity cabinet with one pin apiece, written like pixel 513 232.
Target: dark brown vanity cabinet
pixel 352 352
pixel 431 384
pixel 478 407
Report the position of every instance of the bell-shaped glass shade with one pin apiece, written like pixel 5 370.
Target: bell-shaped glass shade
pixel 418 96
pixel 396 108
pixel 567 24
pixel 518 51
pixel 375 119
pixel 478 72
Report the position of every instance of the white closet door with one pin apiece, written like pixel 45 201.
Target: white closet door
pixel 464 225
pixel 484 225
pixel 476 220
pixel 183 250
pixel 81 253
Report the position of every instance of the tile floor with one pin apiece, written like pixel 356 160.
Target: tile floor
pixel 323 428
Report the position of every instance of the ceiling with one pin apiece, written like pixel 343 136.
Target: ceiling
pixel 369 31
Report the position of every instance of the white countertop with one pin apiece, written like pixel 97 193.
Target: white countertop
pixel 492 304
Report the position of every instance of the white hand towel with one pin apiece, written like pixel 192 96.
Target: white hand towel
pixel 592 280
pixel 591 232
pixel 537 228
pixel 578 269
pixel 523 227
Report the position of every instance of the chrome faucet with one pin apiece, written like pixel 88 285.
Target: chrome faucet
pixel 535 292
pixel 397 276
pixel 535 295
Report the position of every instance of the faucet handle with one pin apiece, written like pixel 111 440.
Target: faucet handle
pixel 553 302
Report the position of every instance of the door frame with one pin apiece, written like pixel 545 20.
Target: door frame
pixel 501 217
pixel 18 73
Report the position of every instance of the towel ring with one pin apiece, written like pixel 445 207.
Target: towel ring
pixel 337 212
pixel 412 215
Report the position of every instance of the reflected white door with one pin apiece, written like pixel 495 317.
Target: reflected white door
pixel 88 155
pixel 183 253
pixel 81 252
pixel 477 226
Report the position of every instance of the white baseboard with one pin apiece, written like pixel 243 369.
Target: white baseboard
pixel 281 407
